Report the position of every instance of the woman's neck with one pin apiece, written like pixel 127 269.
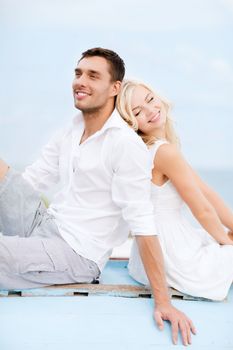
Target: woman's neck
pixel 158 134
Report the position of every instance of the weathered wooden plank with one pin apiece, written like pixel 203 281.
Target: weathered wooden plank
pixel 85 290
pixel 128 291
pixel 115 281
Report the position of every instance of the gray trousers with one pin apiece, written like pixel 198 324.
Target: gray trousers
pixel 32 252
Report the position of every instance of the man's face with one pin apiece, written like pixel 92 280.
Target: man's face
pixel 92 85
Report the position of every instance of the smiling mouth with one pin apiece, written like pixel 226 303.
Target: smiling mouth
pixel 155 117
pixel 81 94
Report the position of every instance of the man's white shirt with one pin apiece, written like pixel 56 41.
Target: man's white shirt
pixel 104 181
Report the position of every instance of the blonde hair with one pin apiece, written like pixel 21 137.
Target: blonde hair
pixel 123 104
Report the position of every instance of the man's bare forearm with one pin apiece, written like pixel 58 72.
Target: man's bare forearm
pixel 152 258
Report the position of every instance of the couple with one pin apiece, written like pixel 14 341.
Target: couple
pixel 104 171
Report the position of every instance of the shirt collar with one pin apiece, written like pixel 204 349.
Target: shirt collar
pixel 114 121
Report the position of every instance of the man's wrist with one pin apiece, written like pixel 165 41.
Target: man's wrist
pixel 162 300
pixel 162 304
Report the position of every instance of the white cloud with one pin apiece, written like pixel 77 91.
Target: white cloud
pixel 228 4
pixel 200 62
pixel 147 15
pixel 222 68
pixel 189 58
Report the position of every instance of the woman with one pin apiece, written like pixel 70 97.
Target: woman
pixel 198 262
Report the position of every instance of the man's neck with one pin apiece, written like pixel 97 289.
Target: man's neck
pixel 95 121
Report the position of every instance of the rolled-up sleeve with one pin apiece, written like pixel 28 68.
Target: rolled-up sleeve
pixel 45 171
pixel 131 185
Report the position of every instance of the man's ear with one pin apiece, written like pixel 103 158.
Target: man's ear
pixel 116 88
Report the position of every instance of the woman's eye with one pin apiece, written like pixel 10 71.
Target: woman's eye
pixel 151 99
pixel 137 114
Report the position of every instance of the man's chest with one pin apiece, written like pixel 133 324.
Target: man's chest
pixel 86 165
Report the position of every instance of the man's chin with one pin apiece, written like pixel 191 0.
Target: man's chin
pixel 87 109
pixel 81 108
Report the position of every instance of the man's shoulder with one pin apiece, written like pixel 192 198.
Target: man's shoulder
pixel 125 137
pixel 120 131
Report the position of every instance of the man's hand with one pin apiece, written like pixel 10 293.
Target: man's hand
pixel 152 259
pixel 179 322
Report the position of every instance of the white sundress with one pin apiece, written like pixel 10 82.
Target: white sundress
pixel 195 263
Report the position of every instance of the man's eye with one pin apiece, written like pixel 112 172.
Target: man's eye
pixel 93 76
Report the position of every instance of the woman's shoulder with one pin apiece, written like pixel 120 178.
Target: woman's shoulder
pixel 163 148
pixel 164 152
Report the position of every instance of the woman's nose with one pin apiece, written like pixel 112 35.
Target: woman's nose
pixel 151 108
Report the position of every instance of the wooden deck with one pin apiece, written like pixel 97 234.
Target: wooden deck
pixel 115 314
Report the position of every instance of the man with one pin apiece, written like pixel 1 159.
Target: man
pixel 104 171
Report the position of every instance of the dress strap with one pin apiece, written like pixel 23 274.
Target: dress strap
pixel 154 148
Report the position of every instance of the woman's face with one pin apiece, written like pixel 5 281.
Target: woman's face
pixel 149 110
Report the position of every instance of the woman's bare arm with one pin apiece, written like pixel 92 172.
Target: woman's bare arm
pixel 170 162
pixel 224 213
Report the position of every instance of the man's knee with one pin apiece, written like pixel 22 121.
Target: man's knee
pixel 3 169
pixel 7 262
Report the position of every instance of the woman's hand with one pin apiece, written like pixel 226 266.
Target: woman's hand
pixel 228 239
pixel 230 235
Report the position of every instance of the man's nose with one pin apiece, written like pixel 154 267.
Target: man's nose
pixel 80 80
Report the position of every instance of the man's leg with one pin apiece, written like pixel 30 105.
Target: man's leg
pixel 40 256
pixel 36 262
pixel 19 203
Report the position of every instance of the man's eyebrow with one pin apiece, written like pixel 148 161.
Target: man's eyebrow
pixel 145 100
pixel 90 71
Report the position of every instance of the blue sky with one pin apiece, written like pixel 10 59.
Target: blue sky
pixel 182 48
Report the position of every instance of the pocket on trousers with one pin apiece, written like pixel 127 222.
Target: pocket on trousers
pixel 45 260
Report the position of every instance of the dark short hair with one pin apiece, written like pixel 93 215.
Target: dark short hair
pixel 116 63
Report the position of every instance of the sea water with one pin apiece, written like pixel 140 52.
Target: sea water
pixel 221 181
